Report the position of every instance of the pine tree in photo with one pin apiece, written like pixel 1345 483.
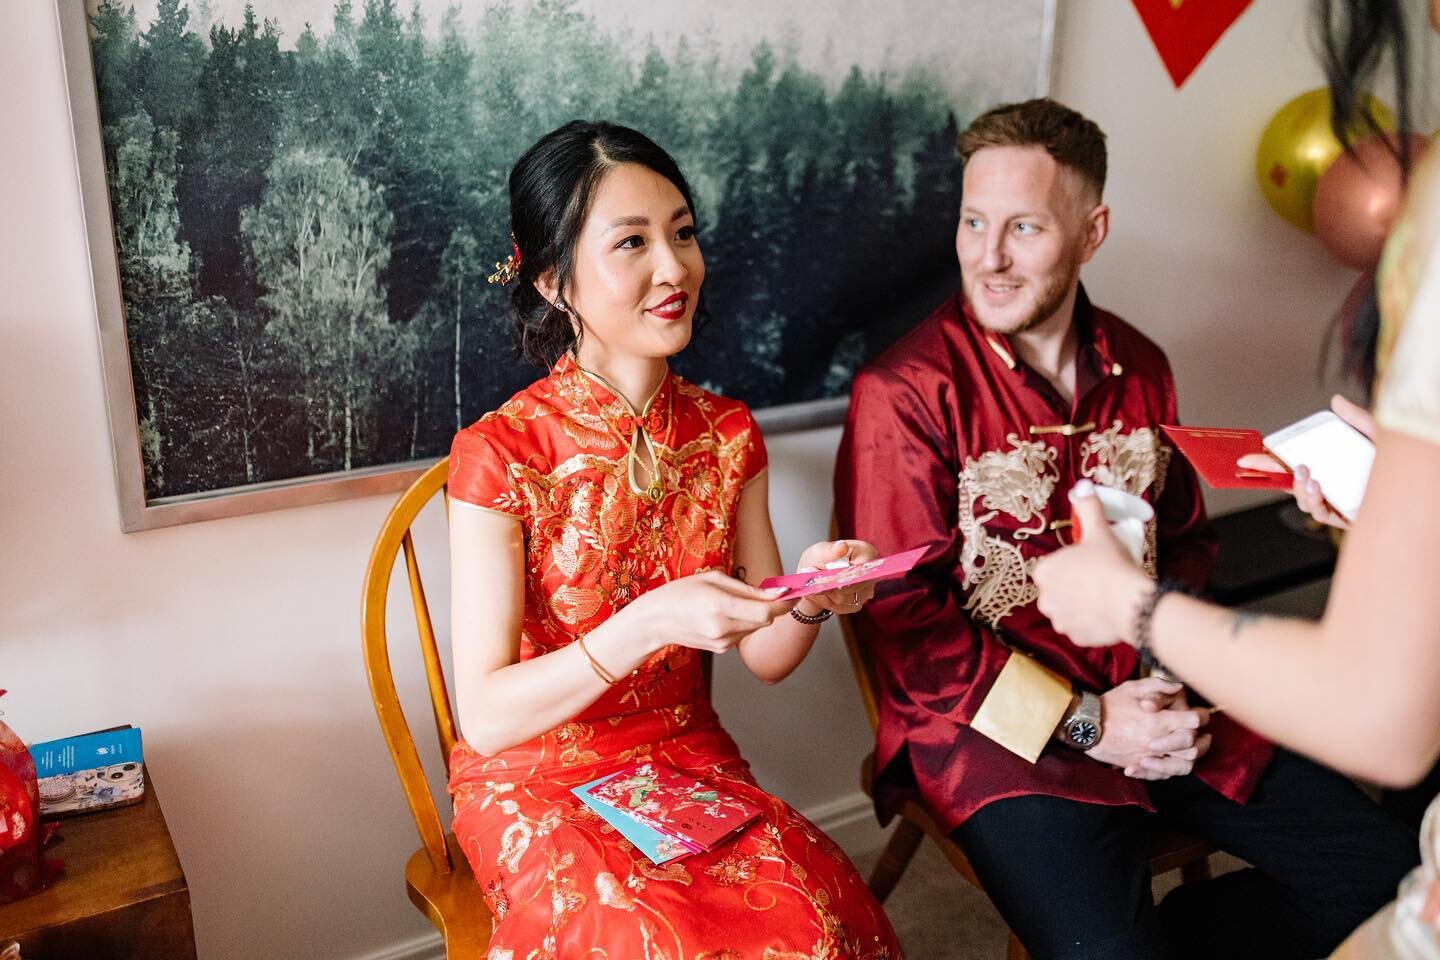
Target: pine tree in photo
pixel 319 241
pixel 155 279
pixel 305 217
pixel 230 140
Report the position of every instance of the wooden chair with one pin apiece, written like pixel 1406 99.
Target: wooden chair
pixel 1169 850
pixel 437 876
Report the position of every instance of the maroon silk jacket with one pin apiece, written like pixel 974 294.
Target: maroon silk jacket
pixel 953 443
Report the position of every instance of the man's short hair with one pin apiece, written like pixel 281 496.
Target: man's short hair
pixel 1071 139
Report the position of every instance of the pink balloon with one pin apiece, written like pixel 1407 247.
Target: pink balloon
pixel 1358 199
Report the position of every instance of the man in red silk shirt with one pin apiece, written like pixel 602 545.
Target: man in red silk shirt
pixel 1046 759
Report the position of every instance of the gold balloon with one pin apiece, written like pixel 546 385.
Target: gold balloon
pixel 1297 147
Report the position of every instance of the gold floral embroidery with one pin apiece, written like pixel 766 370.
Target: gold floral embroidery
pixel 621 580
pixel 735 868
pixel 514 842
pixel 574 739
pixel 573 555
pixel 1019 482
pixel 691 523
pixel 565 899
pixel 497 899
pixel 587 430
pixel 592 546
pixel 573 388
pixel 672 872
pixel 681 714
pixel 574 605
pixel 510 411
pixel 611 892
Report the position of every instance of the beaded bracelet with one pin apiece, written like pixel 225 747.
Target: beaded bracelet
pixel 600 671
pixel 807 619
pixel 1146 613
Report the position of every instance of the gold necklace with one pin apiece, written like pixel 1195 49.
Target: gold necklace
pixel 654 491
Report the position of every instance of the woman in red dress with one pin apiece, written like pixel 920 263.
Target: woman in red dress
pixel 596 518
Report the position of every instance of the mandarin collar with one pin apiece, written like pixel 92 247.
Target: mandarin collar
pixel 614 409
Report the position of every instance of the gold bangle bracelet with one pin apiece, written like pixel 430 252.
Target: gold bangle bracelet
pixel 600 671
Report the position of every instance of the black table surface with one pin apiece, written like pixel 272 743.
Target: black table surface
pixel 1265 550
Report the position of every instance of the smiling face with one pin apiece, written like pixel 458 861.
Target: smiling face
pixel 1027 223
pixel 637 269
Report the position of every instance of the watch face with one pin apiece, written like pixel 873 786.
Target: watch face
pixel 1083 733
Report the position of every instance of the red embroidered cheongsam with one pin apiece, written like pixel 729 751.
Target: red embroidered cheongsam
pixel 560 881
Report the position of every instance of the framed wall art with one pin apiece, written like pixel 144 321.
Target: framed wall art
pixel 292 207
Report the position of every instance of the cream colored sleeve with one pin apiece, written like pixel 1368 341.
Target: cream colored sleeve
pixel 1024 706
pixel 1410 394
pixel 1408 399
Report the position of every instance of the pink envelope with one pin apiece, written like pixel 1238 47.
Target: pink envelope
pixel 818 581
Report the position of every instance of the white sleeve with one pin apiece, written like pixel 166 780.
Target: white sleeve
pixel 1409 394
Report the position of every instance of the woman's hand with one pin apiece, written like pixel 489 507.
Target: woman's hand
pixel 843 599
pixel 1308 495
pixel 704 611
pixel 1091 590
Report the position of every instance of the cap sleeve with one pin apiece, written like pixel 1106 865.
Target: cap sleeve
pixel 756 459
pixel 480 474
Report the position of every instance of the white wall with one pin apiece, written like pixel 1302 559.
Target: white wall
pixel 234 643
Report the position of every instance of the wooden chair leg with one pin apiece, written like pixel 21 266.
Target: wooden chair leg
pixel 1015 950
pixel 1195 871
pixel 899 851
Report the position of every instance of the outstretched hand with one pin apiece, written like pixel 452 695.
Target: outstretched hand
pixel 1308 495
pixel 843 599
pixel 705 611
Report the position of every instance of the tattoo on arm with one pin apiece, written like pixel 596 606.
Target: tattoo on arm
pixel 1242 621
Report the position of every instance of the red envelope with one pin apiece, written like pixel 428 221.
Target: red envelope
pixel 700 816
pixel 1214 450
pixel 818 581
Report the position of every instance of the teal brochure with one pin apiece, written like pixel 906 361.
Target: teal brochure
pixel 649 841
pixel 87 751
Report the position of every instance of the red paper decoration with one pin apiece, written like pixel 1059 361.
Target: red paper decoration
pixel 1184 30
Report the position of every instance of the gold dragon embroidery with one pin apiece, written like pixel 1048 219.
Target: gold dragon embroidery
pixel 1134 462
pixel 1019 482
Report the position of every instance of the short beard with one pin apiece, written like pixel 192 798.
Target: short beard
pixel 1052 295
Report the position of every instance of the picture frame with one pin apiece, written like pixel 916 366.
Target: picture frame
pixel 192 488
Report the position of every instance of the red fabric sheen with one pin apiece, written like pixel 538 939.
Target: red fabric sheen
pixel 944 397
pixel 561 881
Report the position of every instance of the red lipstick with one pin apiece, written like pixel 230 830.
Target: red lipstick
pixel 672 307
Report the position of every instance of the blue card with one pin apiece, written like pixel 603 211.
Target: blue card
pixel 87 751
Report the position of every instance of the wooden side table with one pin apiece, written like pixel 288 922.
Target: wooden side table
pixel 121 896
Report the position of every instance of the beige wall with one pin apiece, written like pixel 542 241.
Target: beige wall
pixel 234 643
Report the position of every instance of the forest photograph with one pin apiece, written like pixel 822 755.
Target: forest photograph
pixel 305 212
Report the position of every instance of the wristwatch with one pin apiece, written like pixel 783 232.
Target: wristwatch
pixel 1082 728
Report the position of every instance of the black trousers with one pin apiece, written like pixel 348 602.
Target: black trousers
pixel 1073 879
pixel 1409 805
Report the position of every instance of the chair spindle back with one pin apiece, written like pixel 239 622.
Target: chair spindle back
pixel 394 539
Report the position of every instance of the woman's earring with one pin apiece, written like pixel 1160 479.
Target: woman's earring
pixel 561 305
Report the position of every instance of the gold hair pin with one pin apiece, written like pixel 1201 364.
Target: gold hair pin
pixel 510 269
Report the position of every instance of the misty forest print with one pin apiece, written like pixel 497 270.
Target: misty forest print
pixel 305 223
